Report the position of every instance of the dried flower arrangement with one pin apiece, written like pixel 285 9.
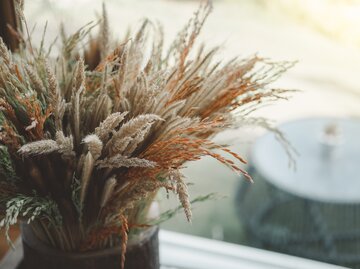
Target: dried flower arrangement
pixel 88 138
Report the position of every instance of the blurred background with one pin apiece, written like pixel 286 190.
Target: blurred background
pixel 323 36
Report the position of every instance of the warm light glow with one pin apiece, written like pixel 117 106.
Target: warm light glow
pixel 339 19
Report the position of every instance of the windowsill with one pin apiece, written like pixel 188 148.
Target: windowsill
pixel 180 251
pixel 191 252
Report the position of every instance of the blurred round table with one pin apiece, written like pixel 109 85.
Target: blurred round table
pixel 312 211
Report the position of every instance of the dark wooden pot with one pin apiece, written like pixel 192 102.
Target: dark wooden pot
pixel 142 254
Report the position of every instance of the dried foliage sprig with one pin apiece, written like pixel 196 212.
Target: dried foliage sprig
pixel 90 137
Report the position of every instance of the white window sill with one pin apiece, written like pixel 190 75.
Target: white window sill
pixel 190 252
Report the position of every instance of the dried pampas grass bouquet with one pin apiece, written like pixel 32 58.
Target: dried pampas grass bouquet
pixel 90 136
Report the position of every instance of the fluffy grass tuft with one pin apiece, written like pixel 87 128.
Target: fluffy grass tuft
pixel 91 136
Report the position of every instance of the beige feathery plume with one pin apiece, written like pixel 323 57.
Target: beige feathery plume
pixel 80 74
pixel 174 124
pixel 182 191
pixel 138 138
pixel 104 33
pixel 52 85
pixel 60 112
pixel 35 79
pixel 5 53
pixel 94 145
pixel 75 102
pixel 124 161
pixel 109 125
pixel 38 147
pixel 125 104
pixel 120 146
pixel 108 190
pixel 56 101
pixel 19 9
pixel 102 109
pixel 122 69
pixel 128 196
pixel 129 129
pixel 66 145
pixel 86 175
pixel 138 193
